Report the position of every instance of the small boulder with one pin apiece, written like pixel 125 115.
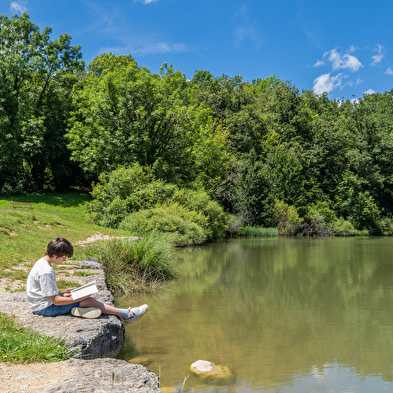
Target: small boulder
pixel 168 390
pixel 143 360
pixel 212 373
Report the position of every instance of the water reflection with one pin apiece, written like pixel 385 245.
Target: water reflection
pixel 284 314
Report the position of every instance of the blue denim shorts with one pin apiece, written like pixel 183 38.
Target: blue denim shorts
pixel 54 311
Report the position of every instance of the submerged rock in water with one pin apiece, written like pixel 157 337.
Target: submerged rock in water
pixel 212 373
pixel 143 360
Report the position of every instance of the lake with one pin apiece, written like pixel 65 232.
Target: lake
pixel 284 314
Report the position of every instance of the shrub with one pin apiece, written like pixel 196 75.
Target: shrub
pixel 285 218
pixel 134 266
pixel 188 227
pixel 199 200
pixel 365 213
pixel 257 232
pixel 128 190
pixel 386 225
pixel 149 195
pixel 318 220
pixel 342 227
pixel 116 188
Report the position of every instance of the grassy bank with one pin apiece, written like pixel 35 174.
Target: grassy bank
pixel 21 345
pixel 24 235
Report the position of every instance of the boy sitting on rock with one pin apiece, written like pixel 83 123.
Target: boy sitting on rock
pixel 44 298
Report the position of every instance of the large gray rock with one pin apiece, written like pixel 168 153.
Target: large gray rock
pixel 78 376
pixel 90 338
pixel 105 375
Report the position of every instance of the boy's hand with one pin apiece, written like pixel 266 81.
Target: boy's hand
pixel 67 294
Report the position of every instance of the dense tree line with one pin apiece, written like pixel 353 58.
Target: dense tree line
pixel 268 153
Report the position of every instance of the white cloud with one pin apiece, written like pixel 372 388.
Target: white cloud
pixel 379 49
pixel 248 27
pixel 377 59
pixel 355 100
pixel 18 6
pixel 352 49
pixel 325 83
pixel 389 71
pixel 319 63
pixel 144 48
pixel 369 92
pixel 146 1
pixel 350 83
pixel 244 32
pixel 359 81
pixel 344 61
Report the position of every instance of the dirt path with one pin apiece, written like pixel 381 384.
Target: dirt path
pixel 31 378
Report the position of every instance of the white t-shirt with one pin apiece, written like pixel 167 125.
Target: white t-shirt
pixel 41 285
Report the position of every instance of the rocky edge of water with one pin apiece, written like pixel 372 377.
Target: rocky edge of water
pixel 95 339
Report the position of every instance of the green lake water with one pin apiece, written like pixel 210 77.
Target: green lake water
pixel 284 314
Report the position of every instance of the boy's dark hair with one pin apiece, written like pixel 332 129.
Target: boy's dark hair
pixel 60 247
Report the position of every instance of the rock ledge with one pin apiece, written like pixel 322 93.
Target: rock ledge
pixel 97 339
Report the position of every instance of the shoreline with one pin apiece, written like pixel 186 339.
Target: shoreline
pixel 97 342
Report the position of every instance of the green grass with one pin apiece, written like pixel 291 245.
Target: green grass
pixel 25 233
pixel 21 345
pixel 82 273
pixel 64 285
pixel 137 265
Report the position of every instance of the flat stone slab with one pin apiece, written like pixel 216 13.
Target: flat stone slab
pixel 77 375
pixel 90 338
pixel 212 373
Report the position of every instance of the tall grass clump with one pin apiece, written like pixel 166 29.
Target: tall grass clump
pixel 22 345
pixel 133 266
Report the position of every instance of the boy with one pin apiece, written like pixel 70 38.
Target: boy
pixel 44 298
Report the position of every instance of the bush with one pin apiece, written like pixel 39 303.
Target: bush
pixel 318 220
pixel 386 225
pixel 200 201
pixel 134 266
pixel 149 195
pixel 365 213
pixel 188 227
pixel 257 232
pixel 342 227
pixel 285 218
pixel 128 190
pixel 115 189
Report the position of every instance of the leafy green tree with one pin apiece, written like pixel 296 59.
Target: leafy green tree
pixel 370 123
pixel 36 77
pixel 128 115
pixel 253 196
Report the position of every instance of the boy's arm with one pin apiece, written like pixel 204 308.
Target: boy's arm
pixel 59 300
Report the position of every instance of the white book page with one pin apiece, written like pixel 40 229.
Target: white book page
pixel 84 290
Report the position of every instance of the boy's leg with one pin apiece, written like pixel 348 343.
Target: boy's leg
pixel 54 311
pixel 127 315
pixel 105 308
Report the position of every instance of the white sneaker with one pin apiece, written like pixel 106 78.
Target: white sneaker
pixel 89 312
pixel 135 313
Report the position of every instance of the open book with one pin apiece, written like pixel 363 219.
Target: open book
pixel 84 290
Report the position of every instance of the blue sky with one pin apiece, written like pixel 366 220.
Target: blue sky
pixel 342 47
